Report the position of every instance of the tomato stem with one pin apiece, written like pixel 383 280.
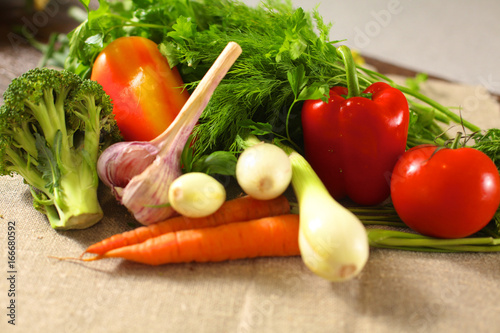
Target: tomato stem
pixel 456 141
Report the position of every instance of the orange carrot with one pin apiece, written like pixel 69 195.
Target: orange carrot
pixel 266 237
pixel 236 210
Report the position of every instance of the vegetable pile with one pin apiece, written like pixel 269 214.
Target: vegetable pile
pixel 202 88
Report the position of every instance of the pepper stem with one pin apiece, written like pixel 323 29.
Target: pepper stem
pixel 351 74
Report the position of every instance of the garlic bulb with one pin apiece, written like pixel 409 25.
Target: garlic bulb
pixel 118 164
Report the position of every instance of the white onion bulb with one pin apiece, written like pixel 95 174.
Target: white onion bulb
pixel 264 171
pixel 196 194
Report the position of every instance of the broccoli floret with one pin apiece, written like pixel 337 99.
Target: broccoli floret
pixel 53 126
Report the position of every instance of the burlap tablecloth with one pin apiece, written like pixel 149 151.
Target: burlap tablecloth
pixel 397 291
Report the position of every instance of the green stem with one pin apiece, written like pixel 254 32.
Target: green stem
pixel 424 109
pixel 438 131
pixel 250 141
pixel 385 223
pixel 413 249
pixel 351 73
pixel 429 242
pixel 288 136
pixel 453 116
pixel 471 248
pixel 375 76
pixel 456 141
pixel 418 141
pixel 129 23
pixel 137 24
pixel 368 210
pixel 415 242
pixel 386 218
pixel 287 120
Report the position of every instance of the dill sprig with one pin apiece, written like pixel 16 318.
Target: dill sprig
pixel 489 143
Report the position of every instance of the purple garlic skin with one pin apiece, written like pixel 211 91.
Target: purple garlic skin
pixel 122 161
pixel 146 197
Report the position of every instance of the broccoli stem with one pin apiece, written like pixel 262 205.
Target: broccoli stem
pixel 75 191
pixel 92 126
pixel 23 137
pixel 25 169
pixel 75 197
pixel 77 203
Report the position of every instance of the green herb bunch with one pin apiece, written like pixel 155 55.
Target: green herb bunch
pixel 288 57
pixel 282 59
pixel 281 45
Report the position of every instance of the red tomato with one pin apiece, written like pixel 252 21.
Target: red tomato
pixel 445 193
pixel 147 94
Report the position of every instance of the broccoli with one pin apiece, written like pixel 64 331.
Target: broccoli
pixel 53 126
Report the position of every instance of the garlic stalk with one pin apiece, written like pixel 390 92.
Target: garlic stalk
pixel 156 164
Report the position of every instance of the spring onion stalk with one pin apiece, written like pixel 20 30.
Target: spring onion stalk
pixel 409 241
pixel 333 242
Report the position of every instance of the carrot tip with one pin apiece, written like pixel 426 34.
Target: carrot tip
pixel 80 258
pixel 97 257
pixel 64 258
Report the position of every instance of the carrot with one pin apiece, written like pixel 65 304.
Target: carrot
pixel 236 210
pixel 265 237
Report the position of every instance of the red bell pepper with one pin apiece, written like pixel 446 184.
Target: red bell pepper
pixel 147 94
pixel 354 141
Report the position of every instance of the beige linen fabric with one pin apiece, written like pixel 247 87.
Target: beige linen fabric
pixel 397 291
